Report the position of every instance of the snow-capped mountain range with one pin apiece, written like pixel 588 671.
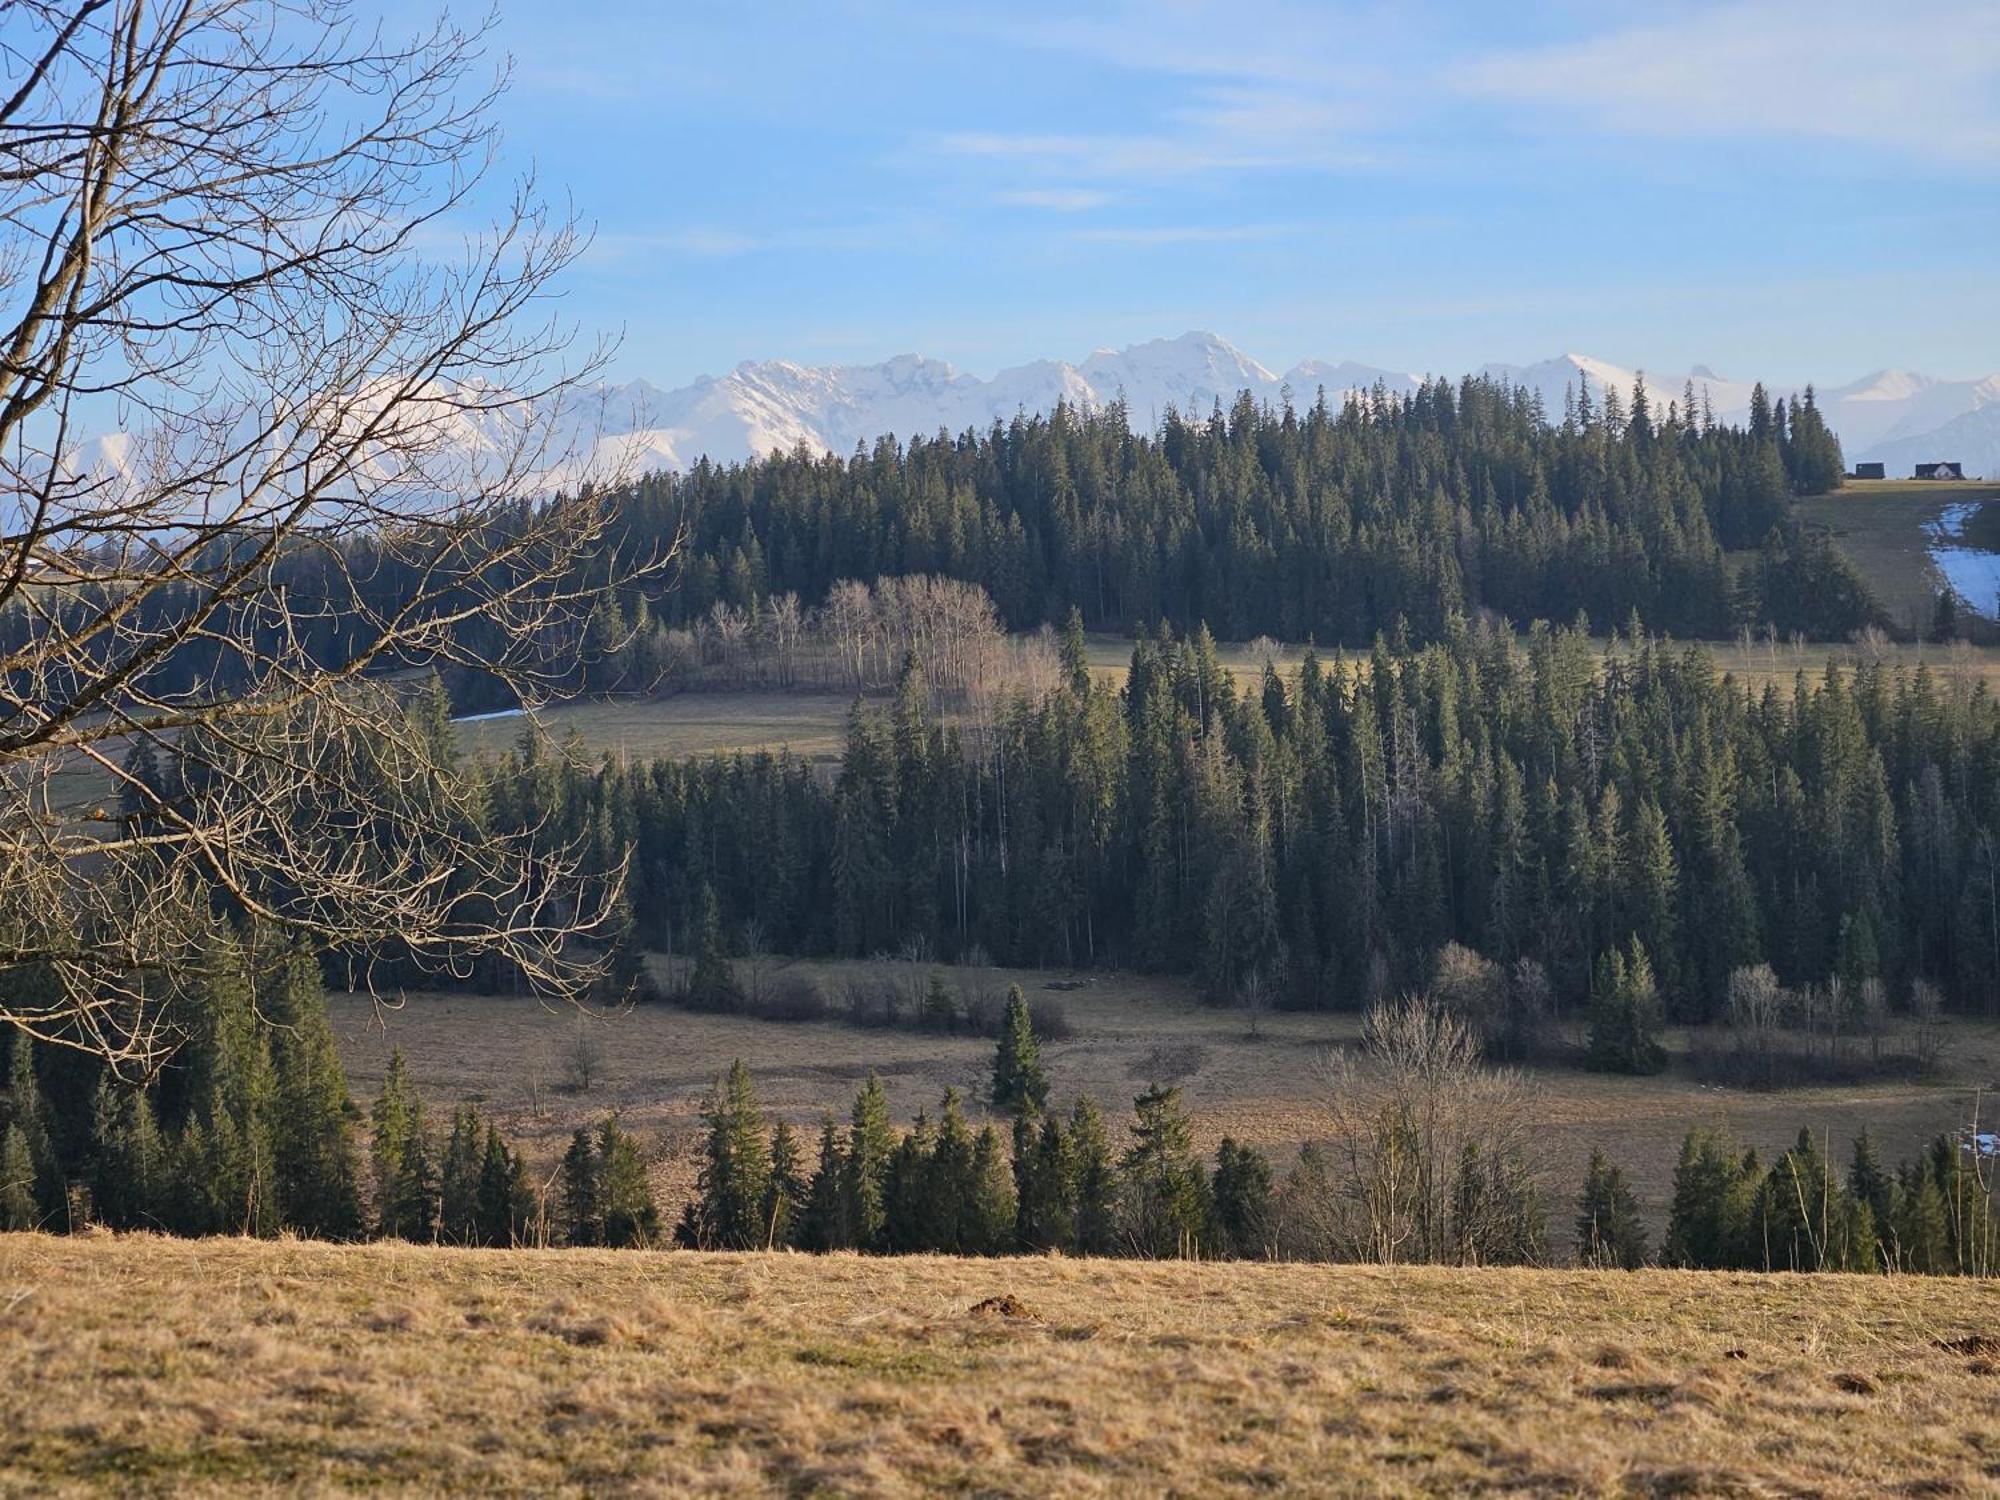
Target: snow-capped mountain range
pixel 1894 417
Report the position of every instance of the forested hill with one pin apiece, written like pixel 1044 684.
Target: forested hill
pixel 1391 516
pixel 1385 515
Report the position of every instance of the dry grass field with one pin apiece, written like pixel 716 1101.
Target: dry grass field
pixel 655 1064
pixel 155 1367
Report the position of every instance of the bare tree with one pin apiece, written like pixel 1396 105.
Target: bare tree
pixel 219 223
pixel 1423 1134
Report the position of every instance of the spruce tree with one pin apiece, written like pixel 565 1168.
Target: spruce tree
pixel 1245 1211
pixel 1625 1013
pixel 18 1208
pixel 129 1158
pixel 579 1193
pixel 631 1216
pixel 908 1196
pixel 406 1182
pixel 312 1128
pixel 458 1181
pixel 870 1143
pixel 785 1198
pixel 732 1190
pixel 1018 1081
pixel 712 981
pixel 1609 1232
pixel 1869 1182
pixel 34 1178
pixel 505 1199
pixel 823 1225
pixel 948 1219
pixel 1164 1200
pixel 1094 1179
pixel 234 1089
pixel 991 1206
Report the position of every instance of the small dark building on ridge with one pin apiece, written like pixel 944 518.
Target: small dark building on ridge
pixel 1871 471
pixel 1940 471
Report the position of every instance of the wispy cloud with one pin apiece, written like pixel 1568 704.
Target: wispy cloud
pixel 612 251
pixel 1919 78
pixel 1181 234
pixel 1061 200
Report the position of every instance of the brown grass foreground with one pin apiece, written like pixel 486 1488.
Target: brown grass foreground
pixel 145 1365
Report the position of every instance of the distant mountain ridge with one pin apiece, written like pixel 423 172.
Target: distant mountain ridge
pixel 1892 416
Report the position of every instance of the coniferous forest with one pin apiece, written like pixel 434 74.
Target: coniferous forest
pixel 1332 523
pixel 1387 515
pixel 1323 835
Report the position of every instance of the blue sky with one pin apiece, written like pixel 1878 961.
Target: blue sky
pixel 1790 188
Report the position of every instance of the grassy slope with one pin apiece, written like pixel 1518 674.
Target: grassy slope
pixel 149 1366
pixel 1880 523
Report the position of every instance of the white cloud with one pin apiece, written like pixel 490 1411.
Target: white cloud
pixel 1180 234
pixel 1061 200
pixel 1919 78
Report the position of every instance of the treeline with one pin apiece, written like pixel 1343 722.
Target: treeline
pixel 1933 1215
pixel 250 1129
pixel 1316 839
pixel 1387 515
pixel 940 1187
pixel 1384 514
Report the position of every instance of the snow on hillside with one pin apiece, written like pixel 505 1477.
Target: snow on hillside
pixel 1893 416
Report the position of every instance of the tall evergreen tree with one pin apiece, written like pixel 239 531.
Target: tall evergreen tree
pixel 1610 1234
pixel 1019 1085
pixel 732 1191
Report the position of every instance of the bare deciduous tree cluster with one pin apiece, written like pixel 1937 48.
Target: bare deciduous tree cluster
pixel 857 641
pixel 217 220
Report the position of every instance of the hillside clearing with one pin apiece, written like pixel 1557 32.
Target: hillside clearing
pixel 1880 525
pixel 202 1367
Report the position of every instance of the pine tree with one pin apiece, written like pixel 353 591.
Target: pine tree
pixel 458 1190
pixel 312 1130
pixel 823 1225
pixel 1095 1178
pixel 1019 1084
pixel 400 1152
pixel 732 1190
pixel 870 1143
pixel 1164 1203
pixel 1609 1232
pixel 785 1198
pixel 579 1193
pixel 18 1208
pixel 631 1216
pixel 1625 1014
pixel 505 1200
pixel 1245 1210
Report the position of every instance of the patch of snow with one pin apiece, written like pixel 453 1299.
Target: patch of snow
pixel 498 713
pixel 1970 573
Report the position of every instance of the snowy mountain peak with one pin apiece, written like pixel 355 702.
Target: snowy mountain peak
pixel 758 407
